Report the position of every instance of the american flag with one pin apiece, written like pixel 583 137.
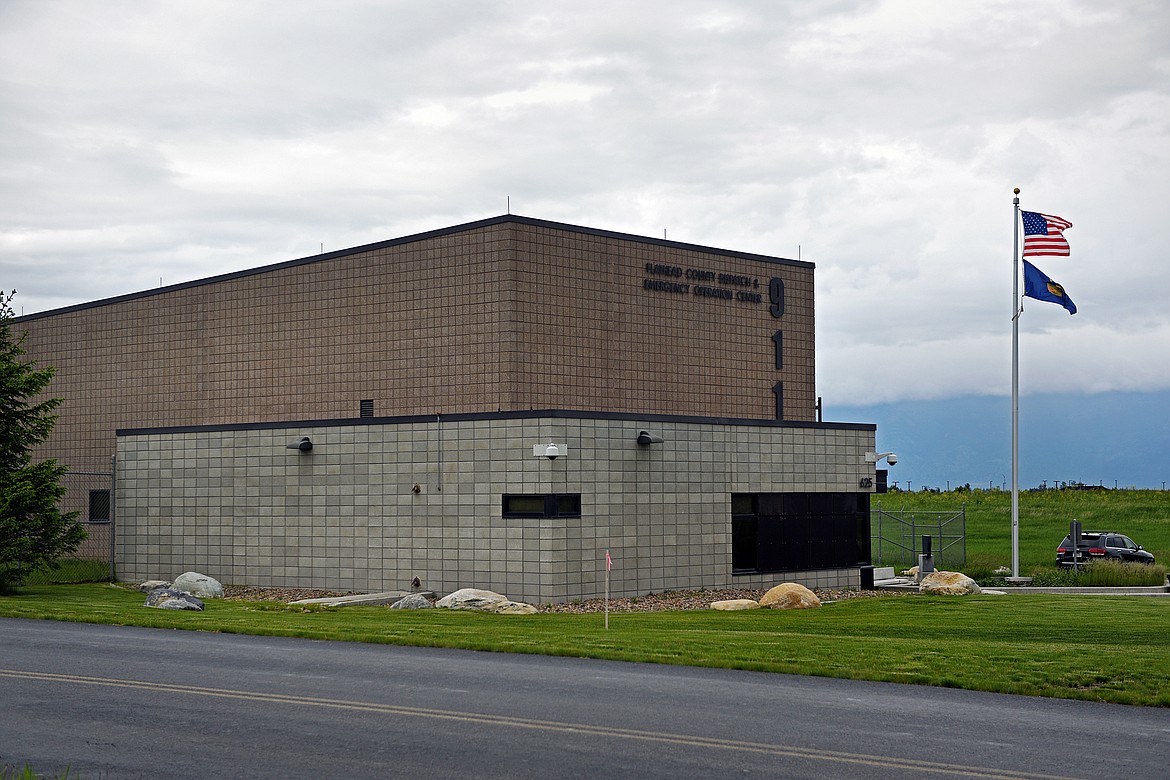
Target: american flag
pixel 1043 234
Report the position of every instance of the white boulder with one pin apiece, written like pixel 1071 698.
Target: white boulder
pixel 469 598
pixel 199 585
pixel 507 607
pixel 484 601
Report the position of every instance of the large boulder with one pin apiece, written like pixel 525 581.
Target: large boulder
pixel 948 583
pixel 508 607
pixel 199 585
pixel 790 595
pixel 169 598
pixel 731 605
pixel 149 585
pixel 413 601
pixel 469 598
pixel 484 601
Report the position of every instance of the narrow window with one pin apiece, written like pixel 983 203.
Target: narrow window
pixel 558 505
pixel 99 506
pixel 743 533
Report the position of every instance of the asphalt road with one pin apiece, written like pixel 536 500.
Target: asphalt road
pixel 114 702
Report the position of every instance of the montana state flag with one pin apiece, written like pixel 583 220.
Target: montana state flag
pixel 1037 285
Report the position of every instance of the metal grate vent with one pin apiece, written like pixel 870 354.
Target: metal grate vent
pixel 367 407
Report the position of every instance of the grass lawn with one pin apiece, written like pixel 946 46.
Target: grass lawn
pixel 1143 515
pixel 1110 649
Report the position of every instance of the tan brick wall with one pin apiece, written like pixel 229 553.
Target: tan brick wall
pixel 591 337
pixel 510 314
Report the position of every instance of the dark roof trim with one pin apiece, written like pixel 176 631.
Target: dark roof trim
pixel 430 234
pixel 563 414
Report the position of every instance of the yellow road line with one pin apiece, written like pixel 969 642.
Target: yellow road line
pixel 543 725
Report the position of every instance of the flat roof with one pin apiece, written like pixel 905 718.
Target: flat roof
pixel 447 231
pixel 565 414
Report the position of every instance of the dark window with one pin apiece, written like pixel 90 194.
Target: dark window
pixel 366 407
pixel 99 506
pixel 558 505
pixel 743 532
pixel 796 531
pixel 743 504
pixel 568 505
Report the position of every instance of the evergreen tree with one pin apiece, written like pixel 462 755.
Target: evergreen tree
pixel 34 532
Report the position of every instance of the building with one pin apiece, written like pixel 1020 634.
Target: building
pixel 359 418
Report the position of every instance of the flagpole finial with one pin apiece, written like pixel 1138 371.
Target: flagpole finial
pixel 1016 190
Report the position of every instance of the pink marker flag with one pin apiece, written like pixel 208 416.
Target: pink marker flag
pixel 608 561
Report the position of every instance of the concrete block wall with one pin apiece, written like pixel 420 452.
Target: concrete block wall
pixel 378 502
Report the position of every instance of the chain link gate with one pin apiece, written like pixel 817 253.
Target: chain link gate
pixel 91 495
pixel 896 537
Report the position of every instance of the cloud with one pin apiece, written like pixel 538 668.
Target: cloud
pixel 879 140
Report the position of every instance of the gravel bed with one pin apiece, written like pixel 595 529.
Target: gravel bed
pixel 654 602
pixel 250 593
pixel 696 599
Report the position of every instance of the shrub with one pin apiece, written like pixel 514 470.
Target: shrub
pixel 1102 574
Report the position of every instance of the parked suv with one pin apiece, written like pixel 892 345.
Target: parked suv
pixel 1101 545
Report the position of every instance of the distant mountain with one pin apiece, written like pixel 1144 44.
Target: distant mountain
pixel 1110 439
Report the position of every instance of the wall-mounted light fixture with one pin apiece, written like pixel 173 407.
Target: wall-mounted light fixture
pixel 550 450
pixel 303 444
pixel 645 438
pixel 874 457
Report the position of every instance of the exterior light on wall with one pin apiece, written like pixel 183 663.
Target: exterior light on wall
pixel 645 438
pixel 304 445
pixel 874 457
pixel 550 450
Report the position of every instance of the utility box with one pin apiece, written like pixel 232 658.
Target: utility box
pixel 926 559
pixel 867 578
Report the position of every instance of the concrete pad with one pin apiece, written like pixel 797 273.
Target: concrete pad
pixel 364 599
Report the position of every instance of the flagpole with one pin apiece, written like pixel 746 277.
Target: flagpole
pixel 1016 311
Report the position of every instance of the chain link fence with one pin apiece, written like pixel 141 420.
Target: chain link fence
pixel 896 537
pixel 91 495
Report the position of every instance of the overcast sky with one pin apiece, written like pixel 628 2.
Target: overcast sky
pixel 169 141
